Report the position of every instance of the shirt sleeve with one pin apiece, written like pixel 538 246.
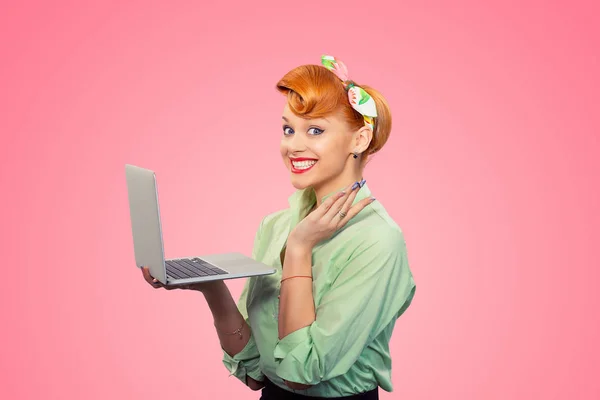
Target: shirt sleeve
pixel 246 362
pixel 375 286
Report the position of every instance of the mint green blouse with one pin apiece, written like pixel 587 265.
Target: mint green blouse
pixel 361 284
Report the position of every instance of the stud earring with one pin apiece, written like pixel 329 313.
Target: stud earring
pixel 355 155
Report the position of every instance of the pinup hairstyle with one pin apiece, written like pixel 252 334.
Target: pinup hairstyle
pixel 314 92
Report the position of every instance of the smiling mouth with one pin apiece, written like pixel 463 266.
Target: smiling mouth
pixel 300 166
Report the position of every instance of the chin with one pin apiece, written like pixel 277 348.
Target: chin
pixel 304 180
pixel 300 183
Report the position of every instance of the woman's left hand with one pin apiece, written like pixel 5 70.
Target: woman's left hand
pixel 296 386
pixel 331 215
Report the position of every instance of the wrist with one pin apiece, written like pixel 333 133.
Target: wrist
pixel 212 290
pixel 298 253
pixel 297 247
pixel 298 261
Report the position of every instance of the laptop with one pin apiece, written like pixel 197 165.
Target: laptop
pixel 148 241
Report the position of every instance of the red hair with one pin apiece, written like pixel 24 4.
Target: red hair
pixel 314 92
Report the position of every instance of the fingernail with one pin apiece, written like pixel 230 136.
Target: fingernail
pixel 154 280
pixel 357 184
pixel 373 199
pixel 362 183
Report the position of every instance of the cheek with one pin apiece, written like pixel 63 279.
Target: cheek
pixel 283 148
pixel 329 150
pixel 284 152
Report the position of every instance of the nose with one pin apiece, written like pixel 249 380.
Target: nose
pixel 296 144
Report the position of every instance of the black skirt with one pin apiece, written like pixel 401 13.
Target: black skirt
pixel 273 392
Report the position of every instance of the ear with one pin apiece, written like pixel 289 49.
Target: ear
pixel 362 139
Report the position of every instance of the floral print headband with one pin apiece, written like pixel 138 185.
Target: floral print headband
pixel 360 100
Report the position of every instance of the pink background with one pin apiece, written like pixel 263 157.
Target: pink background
pixel 491 171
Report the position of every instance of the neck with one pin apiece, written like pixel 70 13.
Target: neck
pixel 340 182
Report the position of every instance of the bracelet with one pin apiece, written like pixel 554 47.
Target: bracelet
pixel 297 276
pixel 238 331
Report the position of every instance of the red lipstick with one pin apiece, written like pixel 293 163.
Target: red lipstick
pixel 303 170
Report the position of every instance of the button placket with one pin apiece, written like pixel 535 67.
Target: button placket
pixel 276 302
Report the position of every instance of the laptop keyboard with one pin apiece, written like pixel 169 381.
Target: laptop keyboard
pixel 191 268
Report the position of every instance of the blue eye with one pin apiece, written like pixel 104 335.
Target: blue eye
pixel 312 131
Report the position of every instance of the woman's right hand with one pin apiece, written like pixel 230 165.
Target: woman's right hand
pixel 200 287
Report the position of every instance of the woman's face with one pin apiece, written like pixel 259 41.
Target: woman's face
pixel 315 151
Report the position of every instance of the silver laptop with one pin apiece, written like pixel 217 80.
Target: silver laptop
pixel 148 241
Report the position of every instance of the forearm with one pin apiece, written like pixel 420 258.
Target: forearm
pixel 227 318
pixel 296 302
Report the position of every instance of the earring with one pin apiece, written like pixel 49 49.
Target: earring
pixel 355 155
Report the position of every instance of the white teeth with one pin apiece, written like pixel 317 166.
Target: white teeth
pixel 303 164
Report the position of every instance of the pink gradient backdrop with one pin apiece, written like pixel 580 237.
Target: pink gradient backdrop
pixel 491 171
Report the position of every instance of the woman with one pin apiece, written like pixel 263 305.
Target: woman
pixel 320 326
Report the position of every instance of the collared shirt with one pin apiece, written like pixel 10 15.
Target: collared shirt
pixel 362 284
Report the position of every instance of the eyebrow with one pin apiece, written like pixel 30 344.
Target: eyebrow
pixel 324 119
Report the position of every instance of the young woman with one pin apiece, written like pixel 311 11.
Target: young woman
pixel 320 326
